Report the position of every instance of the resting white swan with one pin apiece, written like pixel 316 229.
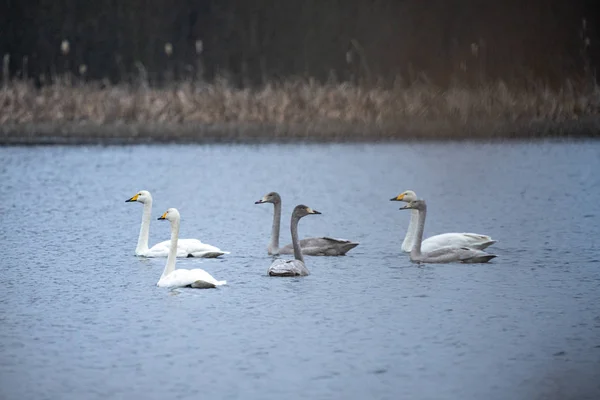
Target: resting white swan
pixel 171 277
pixel 473 240
pixel 294 267
pixel 443 254
pixel 318 246
pixel 185 247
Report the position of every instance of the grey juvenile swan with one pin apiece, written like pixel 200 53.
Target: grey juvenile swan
pixel 318 246
pixel 294 267
pixel 443 254
pixel 472 240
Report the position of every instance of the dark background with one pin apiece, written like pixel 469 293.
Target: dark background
pixel 250 42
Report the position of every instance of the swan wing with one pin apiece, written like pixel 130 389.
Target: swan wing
pixel 287 268
pixel 450 254
pixel 188 248
pixel 472 256
pixel 197 278
pixel 471 240
pixel 199 249
pixel 321 246
pixel 162 250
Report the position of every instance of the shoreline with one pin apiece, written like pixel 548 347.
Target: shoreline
pixel 74 133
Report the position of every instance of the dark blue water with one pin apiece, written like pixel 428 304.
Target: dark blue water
pixel 81 317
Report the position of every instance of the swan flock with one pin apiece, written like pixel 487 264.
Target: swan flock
pixel 439 249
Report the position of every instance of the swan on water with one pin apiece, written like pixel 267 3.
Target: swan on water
pixel 171 277
pixel 294 267
pixel 185 247
pixel 446 254
pixel 318 246
pixel 473 240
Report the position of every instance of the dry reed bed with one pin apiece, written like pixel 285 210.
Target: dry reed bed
pixel 286 105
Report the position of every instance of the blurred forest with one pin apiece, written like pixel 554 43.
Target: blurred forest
pixel 249 42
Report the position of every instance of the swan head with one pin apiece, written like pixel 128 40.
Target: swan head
pixel 415 205
pixel 272 197
pixel 171 215
pixel 302 211
pixel 407 196
pixel 142 196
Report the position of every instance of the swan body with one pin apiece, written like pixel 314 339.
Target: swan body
pixel 440 255
pixel 185 247
pixel 287 268
pixel 323 246
pixel 171 277
pixel 294 267
pixel 318 246
pixel 454 239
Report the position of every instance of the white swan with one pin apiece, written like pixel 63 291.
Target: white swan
pixel 473 240
pixel 185 247
pixel 317 246
pixel 171 277
pixel 294 267
pixel 446 254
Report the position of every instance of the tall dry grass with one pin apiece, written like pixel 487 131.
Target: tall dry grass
pixel 289 107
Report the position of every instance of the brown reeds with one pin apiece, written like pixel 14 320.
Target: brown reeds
pixel 302 108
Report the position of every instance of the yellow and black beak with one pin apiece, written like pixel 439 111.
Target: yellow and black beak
pixel 164 216
pixel 398 198
pixel 134 198
pixel 311 211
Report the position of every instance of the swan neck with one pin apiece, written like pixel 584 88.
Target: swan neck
pixel 172 257
pixel 409 239
pixel 294 229
pixel 416 250
pixel 142 244
pixel 274 245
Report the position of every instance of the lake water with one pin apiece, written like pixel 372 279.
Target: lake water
pixel 81 317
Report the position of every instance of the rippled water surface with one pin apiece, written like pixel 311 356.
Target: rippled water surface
pixel 81 317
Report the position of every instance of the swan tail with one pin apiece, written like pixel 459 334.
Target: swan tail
pixel 203 285
pixel 479 259
pixel 483 245
pixel 200 284
pixel 282 273
pixel 347 247
pixel 208 254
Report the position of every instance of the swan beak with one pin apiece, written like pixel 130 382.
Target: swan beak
pixel 164 216
pixel 259 202
pixel 134 198
pixel 311 211
pixel 397 198
pixel 406 207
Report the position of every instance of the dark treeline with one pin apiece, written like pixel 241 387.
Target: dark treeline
pixel 252 41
